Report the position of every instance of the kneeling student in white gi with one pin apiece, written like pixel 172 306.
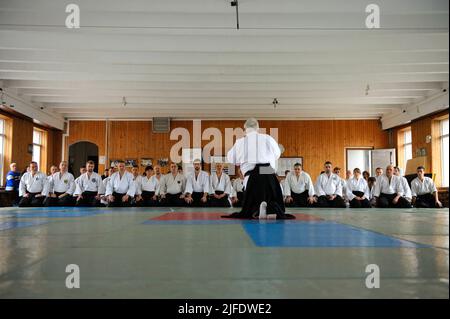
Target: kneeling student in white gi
pixel 33 187
pixel 220 188
pixel 137 180
pixel 424 192
pixel 197 186
pixel 89 188
pixel 358 192
pixel 105 181
pixel 61 188
pixel 406 189
pixel 172 187
pixel 389 191
pixel 299 189
pixel 120 188
pixel 53 170
pixel 371 182
pixel 82 171
pixel 237 191
pixel 149 187
pixel 329 189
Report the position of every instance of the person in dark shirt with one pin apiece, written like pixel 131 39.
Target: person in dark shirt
pixel 105 174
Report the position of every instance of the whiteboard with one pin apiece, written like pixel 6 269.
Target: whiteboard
pixel 285 163
pixel 382 158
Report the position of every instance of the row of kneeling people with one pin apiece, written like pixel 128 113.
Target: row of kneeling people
pixel 389 190
pixel 122 188
pixel 200 189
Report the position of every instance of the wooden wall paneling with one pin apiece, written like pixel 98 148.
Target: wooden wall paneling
pixel 316 141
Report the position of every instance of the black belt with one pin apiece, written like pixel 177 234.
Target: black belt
pixel 34 193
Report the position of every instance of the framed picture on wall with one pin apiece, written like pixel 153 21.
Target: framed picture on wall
pixel 163 162
pixel 228 168
pixel 130 162
pixel 113 163
pixel 146 162
pixel 287 163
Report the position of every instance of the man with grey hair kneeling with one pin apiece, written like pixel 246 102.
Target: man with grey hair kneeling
pixel 256 155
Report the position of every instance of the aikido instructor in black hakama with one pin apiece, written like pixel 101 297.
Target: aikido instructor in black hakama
pixel 256 155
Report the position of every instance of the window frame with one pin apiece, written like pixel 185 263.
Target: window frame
pixel 38 145
pixel 407 145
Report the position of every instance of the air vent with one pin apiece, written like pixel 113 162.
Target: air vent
pixel 161 125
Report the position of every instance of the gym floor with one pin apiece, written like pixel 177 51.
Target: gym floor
pixel 192 253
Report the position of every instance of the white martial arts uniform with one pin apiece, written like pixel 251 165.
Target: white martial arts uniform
pixel 419 187
pixel 201 184
pixel 138 184
pixel 383 186
pixel 298 184
pixel 124 185
pixel 105 183
pixel 254 148
pixel 282 189
pixel 90 183
pixel 151 184
pixel 222 184
pixel 237 186
pixel 33 184
pixel 328 185
pixel 406 188
pixel 357 185
pixel 64 183
pixel 173 185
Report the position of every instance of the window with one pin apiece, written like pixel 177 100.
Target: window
pixel 444 151
pixel 37 146
pixel 2 149
pixel 407 146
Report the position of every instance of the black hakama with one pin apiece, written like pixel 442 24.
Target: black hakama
pixel 262 186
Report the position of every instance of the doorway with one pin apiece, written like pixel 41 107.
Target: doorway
pixel 79 154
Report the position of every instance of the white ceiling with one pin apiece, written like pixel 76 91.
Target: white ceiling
pixel 185 58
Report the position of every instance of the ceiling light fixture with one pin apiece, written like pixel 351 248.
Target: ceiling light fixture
pixel 275 103
pixel 367 89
